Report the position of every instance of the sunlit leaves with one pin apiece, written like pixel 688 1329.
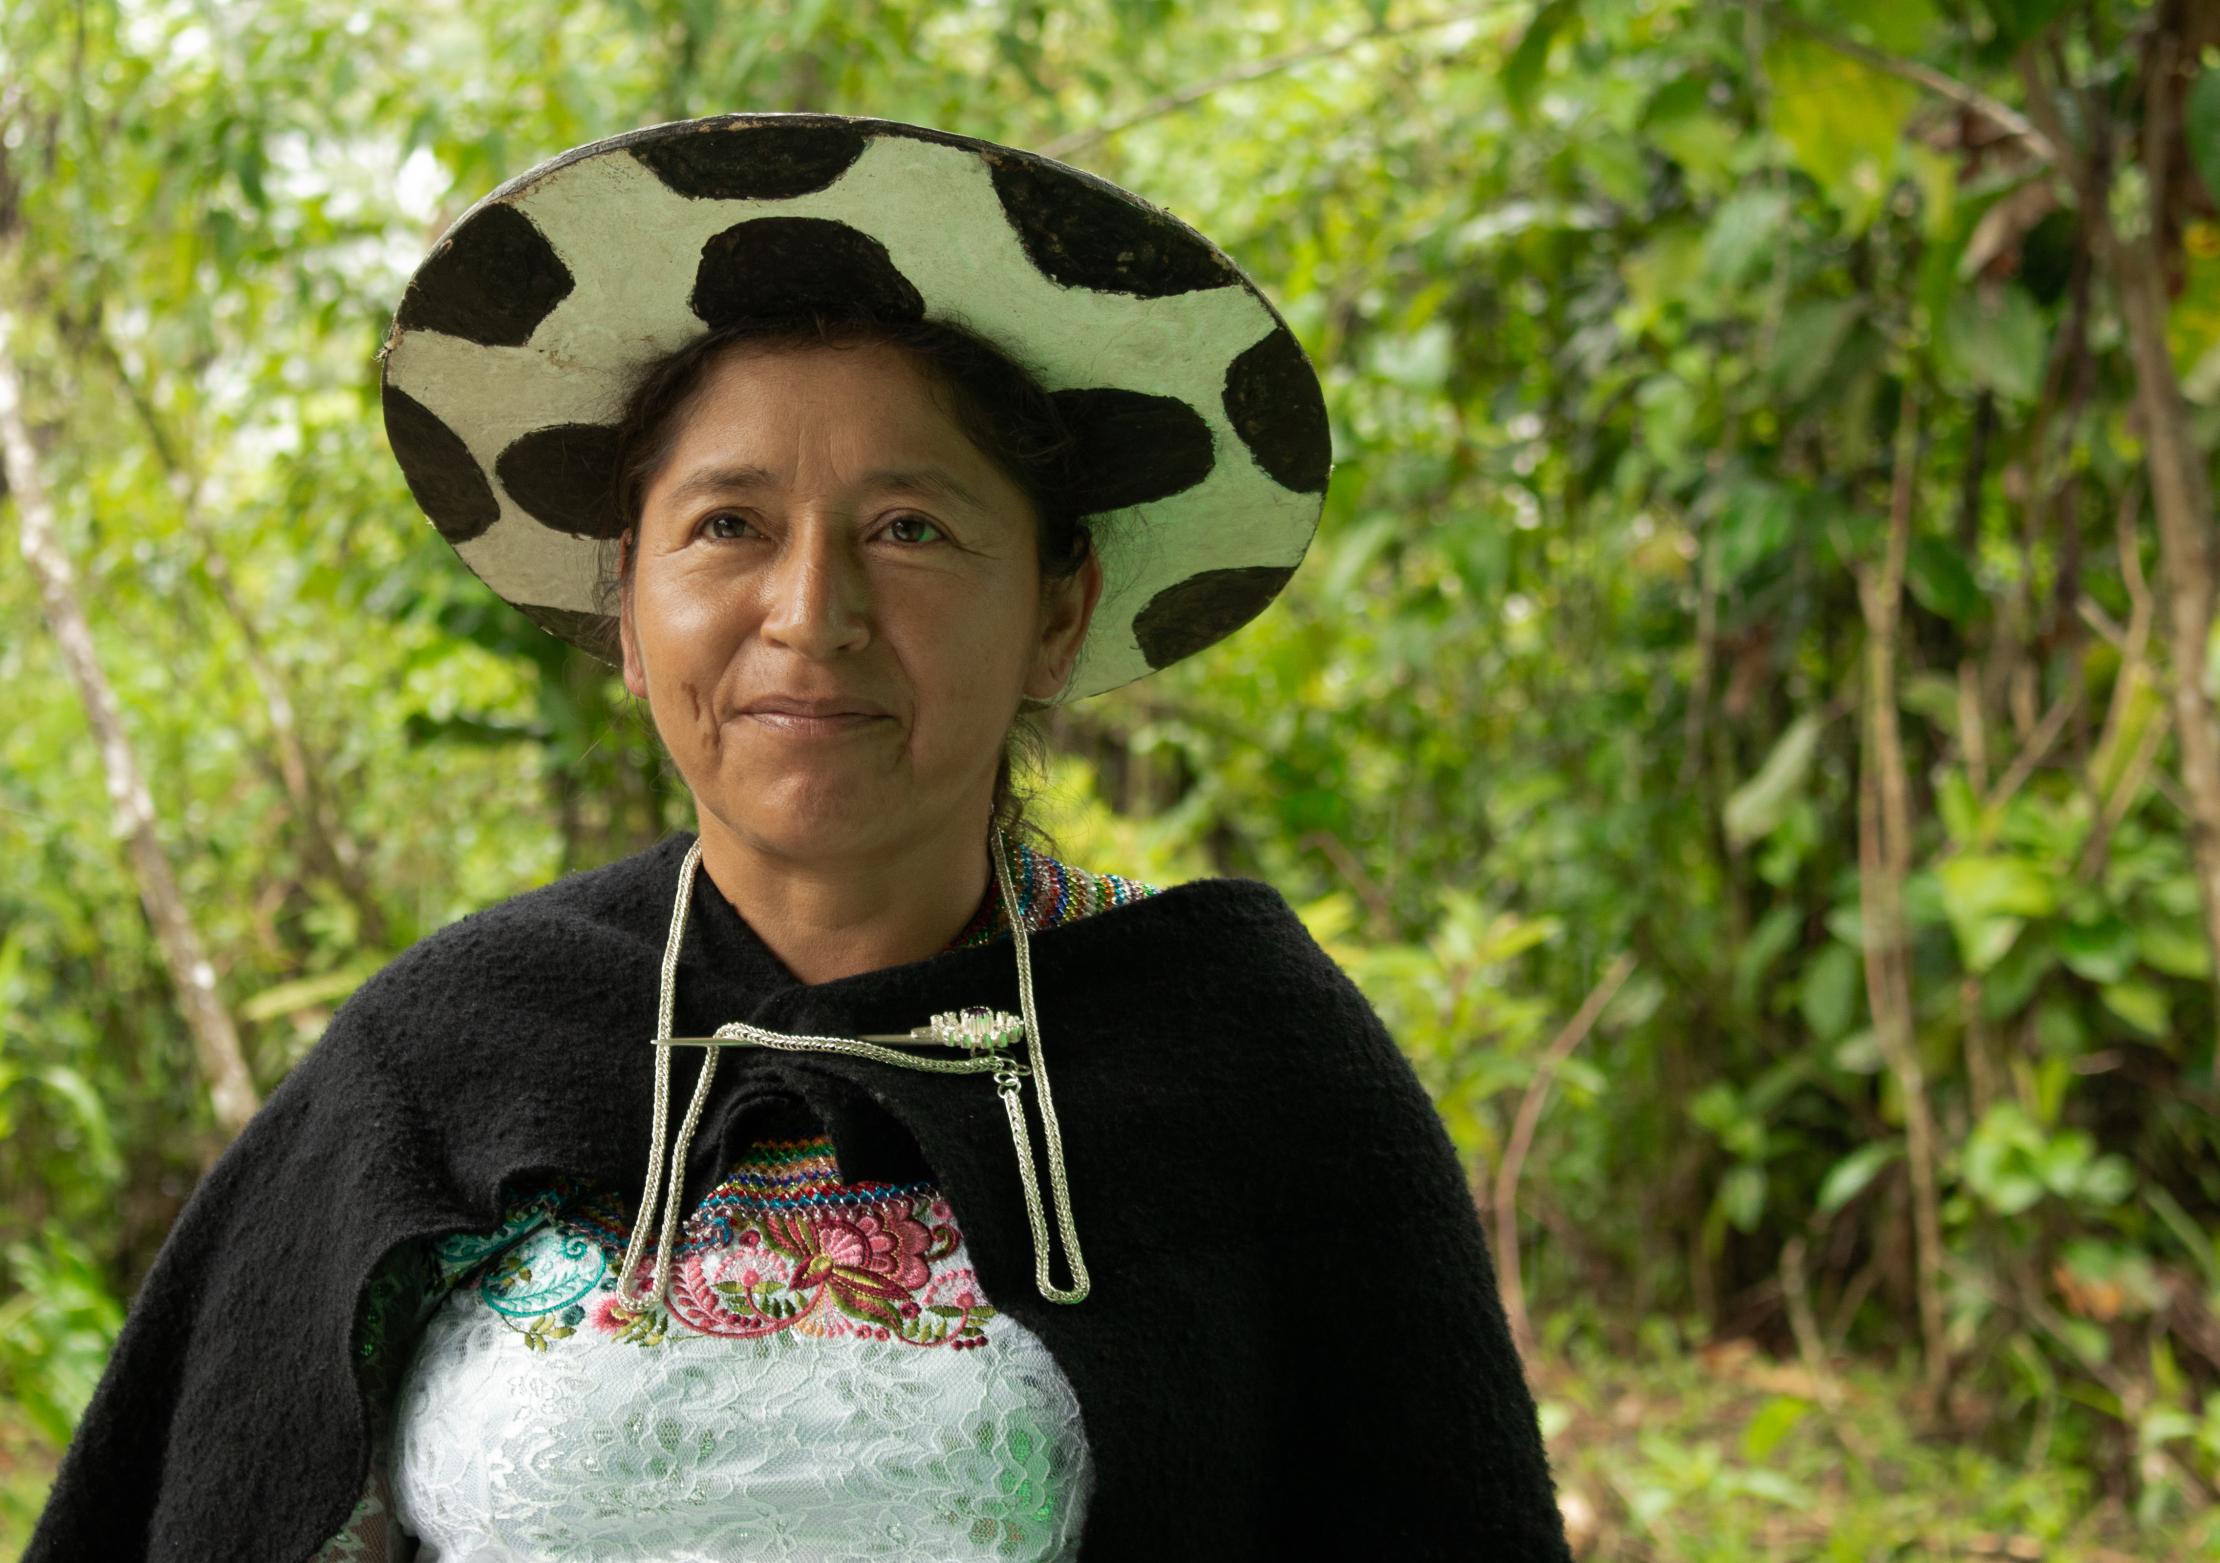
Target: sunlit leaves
pixel 1757 806
pixel 1522 71
pixel 1849 1178
pixel 2011 1161
pixel 1988 898
pixel 1841 120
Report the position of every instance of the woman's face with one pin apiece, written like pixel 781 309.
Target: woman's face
pixel 834 605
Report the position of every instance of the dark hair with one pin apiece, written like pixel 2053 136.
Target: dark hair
pixel 998 403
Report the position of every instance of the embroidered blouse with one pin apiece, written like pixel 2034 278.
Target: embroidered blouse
pixel 828 1378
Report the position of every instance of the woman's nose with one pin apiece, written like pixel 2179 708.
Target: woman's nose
pixel 818 599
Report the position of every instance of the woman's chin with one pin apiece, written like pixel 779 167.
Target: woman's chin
pixel 806 822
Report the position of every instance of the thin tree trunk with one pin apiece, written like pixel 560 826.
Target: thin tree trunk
pixel 331 849
pixel 2182 497
pixel 2181 488
pixel 215 1041
pixel 1884 862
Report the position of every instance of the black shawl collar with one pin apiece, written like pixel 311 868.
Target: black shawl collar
pixel 1293 1338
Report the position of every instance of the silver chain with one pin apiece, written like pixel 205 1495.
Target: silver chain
pixel 981 1058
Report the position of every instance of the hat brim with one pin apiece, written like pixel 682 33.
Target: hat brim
pixel 523 333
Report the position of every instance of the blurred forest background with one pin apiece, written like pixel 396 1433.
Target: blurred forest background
pixel 1747 718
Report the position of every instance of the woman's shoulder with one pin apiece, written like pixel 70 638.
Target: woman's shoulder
pixel 581 916
pixel 1221 921
pixel 504 961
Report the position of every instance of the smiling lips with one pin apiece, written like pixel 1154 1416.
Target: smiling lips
pixel 799 718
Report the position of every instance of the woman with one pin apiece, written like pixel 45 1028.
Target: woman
pixel 851 442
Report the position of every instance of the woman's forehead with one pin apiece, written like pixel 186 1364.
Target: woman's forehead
pixel 867 415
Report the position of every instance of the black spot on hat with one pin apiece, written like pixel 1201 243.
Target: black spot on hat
pixel 595 633
pixel 1182 619
pixel 446 479
pixel 1133 448
pixel 752 162
pixel 782 265
pixel 565 477
pixel 491 281
pixel 1085 233
pixel 1274 404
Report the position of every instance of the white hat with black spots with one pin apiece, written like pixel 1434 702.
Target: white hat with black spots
pixel 1199 418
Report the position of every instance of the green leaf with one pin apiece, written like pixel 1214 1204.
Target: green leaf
pixel 1999 1159
pixel 2091 1341
pixel 1679 121
pixel 2108 1180
pixel 1849 1176
pixel 2016 21
pixel 2176 948
pixel 2013 980
pixel 1522 72
pixel 304 993
pixel 2060 1161
pixel 1933 696
pixel 2102 951
pixel 1829 994
pixel 1986 898
pixel 1942 581
pixel 1899 26
pixel 1742 1196
pixel 1810 337
pixel 1859 1053
pixel 1996 338
pixel 1961 811
pixel 1746 229
pixel 1775 933
pixel 1757 518
pixel 1773 1422
pixel 1840 119
pixel 2141 1004
pixel 2201 127
pixel 101 1153
pixel 2059 1030
pixel 1757 805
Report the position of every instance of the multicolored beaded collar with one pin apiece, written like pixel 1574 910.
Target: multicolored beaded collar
pixel 1050 894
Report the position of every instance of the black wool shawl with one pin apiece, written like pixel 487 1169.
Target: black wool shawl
pixel 1293 1346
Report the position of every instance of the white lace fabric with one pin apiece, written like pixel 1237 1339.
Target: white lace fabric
pixel 883 1409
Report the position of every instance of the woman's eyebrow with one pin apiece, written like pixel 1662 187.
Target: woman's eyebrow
pixel 720 480
pixel 931 482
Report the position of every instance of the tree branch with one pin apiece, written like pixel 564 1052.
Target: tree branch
pixel 2006 118
pixel 1080 140
pixel 1522 1137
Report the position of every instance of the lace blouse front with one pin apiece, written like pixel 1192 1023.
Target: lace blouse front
pixel 828 1380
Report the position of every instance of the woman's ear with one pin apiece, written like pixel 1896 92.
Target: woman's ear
pixel 635 674
pixel 1070 609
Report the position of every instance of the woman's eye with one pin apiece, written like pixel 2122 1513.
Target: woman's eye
pixel 911 523
pixel 723 524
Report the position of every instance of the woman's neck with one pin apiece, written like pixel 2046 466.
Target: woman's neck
pixel 830 919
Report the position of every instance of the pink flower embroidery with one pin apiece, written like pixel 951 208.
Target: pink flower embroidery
pixel 870 1259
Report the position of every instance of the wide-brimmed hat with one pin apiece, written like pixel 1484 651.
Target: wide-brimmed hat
pixel 1199 419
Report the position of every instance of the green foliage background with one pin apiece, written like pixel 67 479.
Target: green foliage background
pixel 1631 314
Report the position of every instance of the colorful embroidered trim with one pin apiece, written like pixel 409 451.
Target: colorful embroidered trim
pixel 781 1244
pixel 1049 895
pixel 773 1177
